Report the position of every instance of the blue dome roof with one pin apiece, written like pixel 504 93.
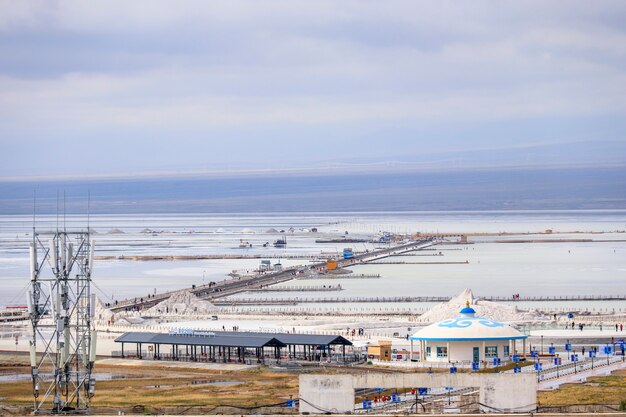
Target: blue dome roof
pixel 467 310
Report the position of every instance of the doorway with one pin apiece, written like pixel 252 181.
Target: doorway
pixel 476 355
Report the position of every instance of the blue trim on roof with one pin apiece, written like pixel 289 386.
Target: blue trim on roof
pixel 467 310
pixel 466 339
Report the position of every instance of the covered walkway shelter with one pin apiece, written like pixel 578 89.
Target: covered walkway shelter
pixel 199 347
pixel 243 347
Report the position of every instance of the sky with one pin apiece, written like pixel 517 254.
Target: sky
pixel 151 88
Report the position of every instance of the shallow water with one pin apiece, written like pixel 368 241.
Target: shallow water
pixel 543 269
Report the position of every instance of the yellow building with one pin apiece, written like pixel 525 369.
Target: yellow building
pixel 380 350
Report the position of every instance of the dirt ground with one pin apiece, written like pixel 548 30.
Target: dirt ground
pixel 598 390
pixel 151 389
pixel 156 388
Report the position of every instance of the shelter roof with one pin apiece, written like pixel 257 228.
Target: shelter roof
pixel 247 339
pixel 200 340
pixel 298 338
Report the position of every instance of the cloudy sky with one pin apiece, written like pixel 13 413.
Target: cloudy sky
pixel 99 88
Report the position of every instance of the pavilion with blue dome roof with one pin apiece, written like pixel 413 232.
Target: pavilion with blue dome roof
pixel 467 339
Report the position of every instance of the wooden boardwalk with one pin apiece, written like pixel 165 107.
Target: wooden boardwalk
pixel 298 288
pixel 419 263
pixel 407 299
pixel 340 276
pixel 210 257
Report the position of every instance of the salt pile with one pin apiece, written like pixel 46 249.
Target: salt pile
pixel 182 303
pixel 488 309
pixel 102 313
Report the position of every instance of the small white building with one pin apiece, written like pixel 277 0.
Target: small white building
pixel 467 339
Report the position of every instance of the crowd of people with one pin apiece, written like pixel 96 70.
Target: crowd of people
pixel 619 327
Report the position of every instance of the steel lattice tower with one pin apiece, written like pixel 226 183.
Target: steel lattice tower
pixel 62 309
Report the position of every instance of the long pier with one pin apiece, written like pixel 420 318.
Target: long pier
pixel 405 299
pixel 298 288
pixel 418 263
pixel 211 257
pixel 340 276
pixel 419 254
pixel 227 287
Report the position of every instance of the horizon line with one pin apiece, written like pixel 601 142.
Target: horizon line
pixel 386 167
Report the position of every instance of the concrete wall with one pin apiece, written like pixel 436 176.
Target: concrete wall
pixel 326 393
pixel 498 392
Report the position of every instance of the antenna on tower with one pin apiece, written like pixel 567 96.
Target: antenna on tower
pixel 88 210
pixel 57 211
pixel 34 212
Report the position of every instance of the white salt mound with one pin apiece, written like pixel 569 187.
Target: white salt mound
pixel 183 303
pixel 488 309
pixel 102 313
